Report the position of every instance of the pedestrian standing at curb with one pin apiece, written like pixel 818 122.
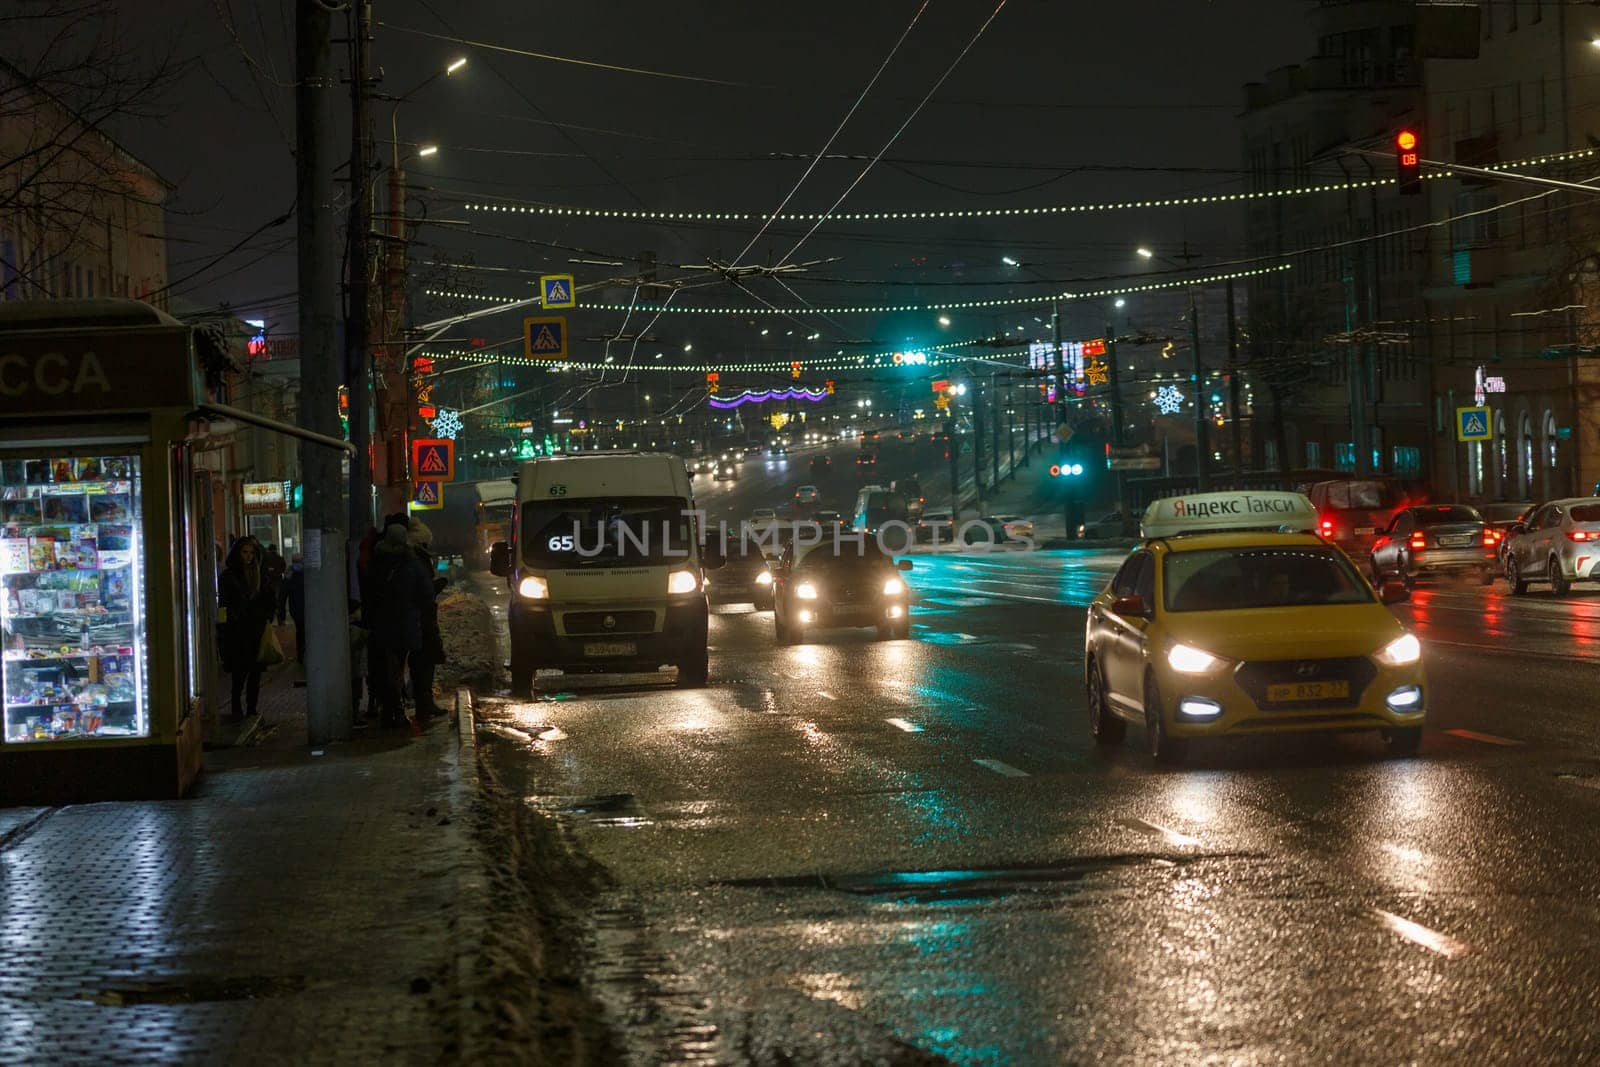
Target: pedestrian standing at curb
pixel 275 565
pixel 421 663
pixel 398 586
pixel 246 603
pixel 363 596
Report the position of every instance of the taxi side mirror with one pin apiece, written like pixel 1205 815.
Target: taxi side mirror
pixel 1132 606
pixel 500 559
pixel 903 565
pixel 1394 593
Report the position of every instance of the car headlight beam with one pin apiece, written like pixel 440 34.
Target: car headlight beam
pixel 893 587
pixel 1401 652
pixel 805 591
pixel 534 588
pixel 1186 659
pixel 764 578
pixel 679 582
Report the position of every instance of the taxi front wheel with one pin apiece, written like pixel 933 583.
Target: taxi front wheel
pixel 1403 741
pixel 1164 748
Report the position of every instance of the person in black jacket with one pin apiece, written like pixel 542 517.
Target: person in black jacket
pixel 422 661
pixel 398 585
pixel 247 602
pixel 292 597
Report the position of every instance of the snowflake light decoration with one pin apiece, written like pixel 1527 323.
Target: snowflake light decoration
pixel 447 423
pixel 1169 400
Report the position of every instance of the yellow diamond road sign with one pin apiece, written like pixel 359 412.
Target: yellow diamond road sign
pixel 545 337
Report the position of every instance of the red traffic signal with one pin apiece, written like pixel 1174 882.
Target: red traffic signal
pixel 1408 161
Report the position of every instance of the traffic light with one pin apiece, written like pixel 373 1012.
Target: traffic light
pixel 1066 470
pixel 828 385
pixel 713 382
pixel 794 370
pixel 1408 160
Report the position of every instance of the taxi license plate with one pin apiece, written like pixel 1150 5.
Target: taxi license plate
pixel 1283 694
pixel 609 648
pixel 1364 530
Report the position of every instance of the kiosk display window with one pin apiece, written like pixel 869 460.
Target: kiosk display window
pixel 71 599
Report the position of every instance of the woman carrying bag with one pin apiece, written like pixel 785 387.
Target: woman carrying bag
pixel 246 602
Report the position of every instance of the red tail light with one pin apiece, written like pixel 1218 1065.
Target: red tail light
pixel 1583 535
pixel 1491 536
pixel 1419 540
pixel 1327 527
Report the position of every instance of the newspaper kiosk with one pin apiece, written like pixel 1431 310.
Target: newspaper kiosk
pixel 104 570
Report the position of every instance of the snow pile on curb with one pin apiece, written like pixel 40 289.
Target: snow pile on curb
pixel 470 642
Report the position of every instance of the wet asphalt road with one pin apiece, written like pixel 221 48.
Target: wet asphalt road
pixel 854 850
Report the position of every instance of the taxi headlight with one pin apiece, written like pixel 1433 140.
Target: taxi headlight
pixel 682 582
pixel 1402 651
pixel 534 588
pixel 1186 659
pixel 893 587
pixel 805 591
pixel 764 578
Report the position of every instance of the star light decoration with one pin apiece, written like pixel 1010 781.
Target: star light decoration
pixel 447 423
pixel 1169 400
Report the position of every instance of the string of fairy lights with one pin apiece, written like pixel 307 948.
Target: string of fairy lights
pixel 516 207
pixel 878 309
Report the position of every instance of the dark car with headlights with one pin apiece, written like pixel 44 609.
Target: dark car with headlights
pixel 744 577
pixel 842 582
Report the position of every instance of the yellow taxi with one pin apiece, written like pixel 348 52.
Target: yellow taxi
pixel 1234 617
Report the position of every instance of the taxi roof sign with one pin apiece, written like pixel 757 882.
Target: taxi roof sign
pixel 1196 513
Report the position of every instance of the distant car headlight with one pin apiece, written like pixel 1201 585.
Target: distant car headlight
pixel 534 588
pixel 893 587
pixel 764 578
pixel 1401 652
pixel 1186 659
pixel 805 591
pixel 682 582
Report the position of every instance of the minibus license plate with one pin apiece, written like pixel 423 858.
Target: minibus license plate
pixel 609 648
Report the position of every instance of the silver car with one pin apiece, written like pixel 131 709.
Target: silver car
pixel 1432 539
pixel 1559 544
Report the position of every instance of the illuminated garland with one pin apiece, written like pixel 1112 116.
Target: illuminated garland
pixel 765 395
pixel 963 305
pixel 531 208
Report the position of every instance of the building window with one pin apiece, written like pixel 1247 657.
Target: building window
pixel 1552 452
pixel 1487 10
pixel 1516 103
pixel 1314 455
pixel 1543 98
pixel 8 270
pixel 1538 11
pixel 1502 458
pixel 1407 461
pixel 1269 453
pixel 1511 16
pixel 1526 449
pixel 1344 456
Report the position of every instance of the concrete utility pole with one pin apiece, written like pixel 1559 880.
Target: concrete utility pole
pixel 1115 384
pixel 1202 437
pixel 328 712
pixel 994 432
pixel 1061 407
pixel 1233 392
pixel 357 315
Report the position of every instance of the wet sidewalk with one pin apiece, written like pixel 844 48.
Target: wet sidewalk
pixel 299 906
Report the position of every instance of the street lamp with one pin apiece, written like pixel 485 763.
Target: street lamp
pixel 944 320
pixel 1202 425
pixel 428 150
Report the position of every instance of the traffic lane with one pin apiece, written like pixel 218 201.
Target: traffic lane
pixel 1491 620
pixel 1303 866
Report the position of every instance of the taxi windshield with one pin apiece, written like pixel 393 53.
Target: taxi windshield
pixel 1229 579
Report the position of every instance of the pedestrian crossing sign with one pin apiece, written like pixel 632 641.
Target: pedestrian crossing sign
pixel 556 291
pixel 545 337
pixel 1473 424
pixel 428 496
pixel 433 459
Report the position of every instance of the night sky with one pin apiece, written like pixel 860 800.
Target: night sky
pixel 1047 108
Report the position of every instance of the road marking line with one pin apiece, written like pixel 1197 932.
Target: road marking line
pixel 903 724
pixel 1488 739
pixel 1173 837
pixel 825 695
pixel 1004 769
pixel 1416 933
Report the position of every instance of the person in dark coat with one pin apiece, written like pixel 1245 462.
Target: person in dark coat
pixel 421 662
pixel 247 601
pixel 275 565
pixel 398 585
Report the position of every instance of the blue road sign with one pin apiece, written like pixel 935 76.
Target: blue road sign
pixel 545 337
pixel 1473 424
pixel 556 291
pixel 428 496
